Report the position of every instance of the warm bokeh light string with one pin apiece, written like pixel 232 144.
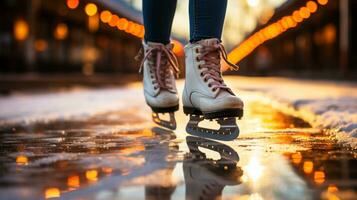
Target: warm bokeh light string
pixel 113 20
pixel 120 23
pixel 273 30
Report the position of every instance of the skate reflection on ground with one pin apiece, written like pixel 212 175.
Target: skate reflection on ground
pixel 205 178
pixel 113 156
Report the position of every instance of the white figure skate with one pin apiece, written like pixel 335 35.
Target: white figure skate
pixel 205 94
pixel 159 67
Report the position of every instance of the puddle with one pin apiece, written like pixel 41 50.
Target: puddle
pixel 112 157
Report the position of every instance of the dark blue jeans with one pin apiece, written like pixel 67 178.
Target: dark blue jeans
pixel 206 19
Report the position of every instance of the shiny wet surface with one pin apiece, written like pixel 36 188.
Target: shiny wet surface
pixel 119 155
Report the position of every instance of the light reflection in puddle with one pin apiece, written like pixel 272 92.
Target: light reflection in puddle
pixel 92 175
pixel 279 157
pixel 254 169
pixel 52 193
pixel 308 167
pixel 21 160
pixel 73 182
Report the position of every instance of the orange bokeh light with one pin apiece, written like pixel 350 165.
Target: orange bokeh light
pixel 72 4
pixel 41 45
pixel 138 30
pixel 296 16
pixel 113 20
pixel 129 27
pixel 291 22
pixel 141 32
pixel 122 24
pixel 21 30
pixel 61 31
pixel 91 9
pixel 178 48
pixel 312 6
pixel 322 2
pixel 133 29
pixel 304 12
pixel 105 16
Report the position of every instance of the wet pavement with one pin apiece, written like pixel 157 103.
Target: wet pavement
pixel 121 155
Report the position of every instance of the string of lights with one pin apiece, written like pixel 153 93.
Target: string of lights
pixel 107 17
pixel 120 23
pixel 274 30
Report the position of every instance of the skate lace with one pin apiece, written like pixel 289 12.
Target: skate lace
pixel 161 61
pixel 211 69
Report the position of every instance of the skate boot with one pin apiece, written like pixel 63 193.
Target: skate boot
pixel 205 94
pixel 159 67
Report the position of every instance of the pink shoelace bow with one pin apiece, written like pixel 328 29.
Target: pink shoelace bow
pixel 160 65
pixel 211 55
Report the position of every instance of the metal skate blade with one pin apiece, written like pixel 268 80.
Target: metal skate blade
pixel 228 128
pixel 225 151
pixel 170 124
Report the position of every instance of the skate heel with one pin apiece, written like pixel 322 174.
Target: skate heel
pixel 235 112
pixel 165 110
pixel 191 111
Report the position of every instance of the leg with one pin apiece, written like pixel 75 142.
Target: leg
pixel 206 19
pixel 158 16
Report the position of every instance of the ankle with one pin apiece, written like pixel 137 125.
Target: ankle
pixel 197 40
pixel 163 42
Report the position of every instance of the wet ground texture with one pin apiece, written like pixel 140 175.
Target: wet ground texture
pixel 120 155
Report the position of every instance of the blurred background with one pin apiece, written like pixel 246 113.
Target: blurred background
pixel 295 38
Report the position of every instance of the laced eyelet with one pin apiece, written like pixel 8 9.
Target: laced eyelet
pixel 199 67
pixel 205 80
pixel 197 59
pixel 214 89
pixel 209 85
pixel 197 51
pixel 201 74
